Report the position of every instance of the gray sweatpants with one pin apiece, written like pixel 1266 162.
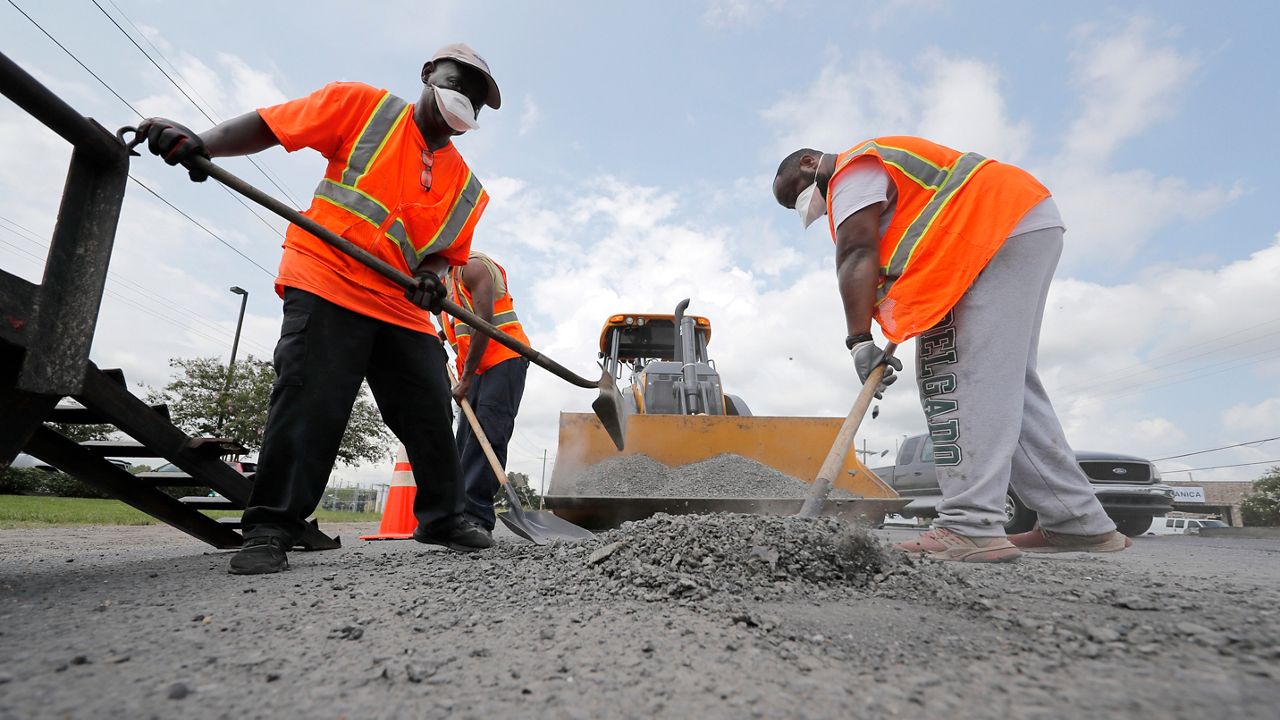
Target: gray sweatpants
pixel 991 422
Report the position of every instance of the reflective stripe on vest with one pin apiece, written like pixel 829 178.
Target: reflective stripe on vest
pixel 461 329
pixel 945 182
pixel 386 115
pixel 372 137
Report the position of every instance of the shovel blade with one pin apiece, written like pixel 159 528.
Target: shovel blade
pixel 538 527
pixel 611 410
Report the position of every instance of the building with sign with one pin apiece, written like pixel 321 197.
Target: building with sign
pixel 1210 498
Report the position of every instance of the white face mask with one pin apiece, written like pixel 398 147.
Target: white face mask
pixel 809 203
pixel 456 109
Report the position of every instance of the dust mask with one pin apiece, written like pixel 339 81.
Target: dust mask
pixel 809 203
pixel 456 109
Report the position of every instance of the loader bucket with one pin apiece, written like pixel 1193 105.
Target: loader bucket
pixel 795 446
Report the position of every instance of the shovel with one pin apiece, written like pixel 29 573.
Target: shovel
pixel 608 405
pixel 536 526
pixel 844 440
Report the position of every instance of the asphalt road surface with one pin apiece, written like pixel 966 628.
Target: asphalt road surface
pixel 145 622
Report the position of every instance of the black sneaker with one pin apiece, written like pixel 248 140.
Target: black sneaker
pixel 259 556
pixel 462 537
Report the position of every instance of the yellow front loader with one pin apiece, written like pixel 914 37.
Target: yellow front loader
pixel 681 416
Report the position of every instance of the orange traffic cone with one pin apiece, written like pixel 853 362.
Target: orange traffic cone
pixel 398 521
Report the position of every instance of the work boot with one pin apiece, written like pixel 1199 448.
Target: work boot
pixel 259 556
pixel 463 536
pixel 1040 540
pixel 943 544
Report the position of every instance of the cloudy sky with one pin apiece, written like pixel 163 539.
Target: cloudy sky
pixel 630 167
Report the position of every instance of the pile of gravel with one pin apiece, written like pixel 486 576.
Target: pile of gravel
pixel 692 557
pixel 727 475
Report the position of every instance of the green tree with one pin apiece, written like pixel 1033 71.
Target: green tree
pixel 529 497
pixel 1262 505
pixel 83 433
pixel 199 405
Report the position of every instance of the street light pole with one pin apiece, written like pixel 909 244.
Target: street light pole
pixel 235 345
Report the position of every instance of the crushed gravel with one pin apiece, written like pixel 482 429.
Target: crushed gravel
pixel 727 475
pixel 718 616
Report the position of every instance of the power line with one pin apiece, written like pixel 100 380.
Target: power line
pixel 197 223
pixel 73 57
pixel 140 115
pixel 1224 447
pixel 1120 374
pixel 182 90
pixel 156 301
pixel 142 307
pixel 1221 467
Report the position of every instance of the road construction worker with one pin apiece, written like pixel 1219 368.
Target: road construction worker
pixel 958 251
pixel 490 377
pixel 396 186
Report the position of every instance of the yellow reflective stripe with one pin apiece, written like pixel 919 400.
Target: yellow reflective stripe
pixel 459 214
pixel 919 169
pixel 353 201
pixel 964 168
pixel 505 318
pixel 373 137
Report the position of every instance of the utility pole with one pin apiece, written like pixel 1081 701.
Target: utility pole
pixel 235 346
pixel 865 453
pixel 542 484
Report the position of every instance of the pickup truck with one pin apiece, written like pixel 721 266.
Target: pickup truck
pixel 1129 488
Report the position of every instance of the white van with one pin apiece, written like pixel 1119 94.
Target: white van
pixel 1181 526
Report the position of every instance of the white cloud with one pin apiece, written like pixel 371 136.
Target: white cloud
pixel 1127 82
pixel 1262 418
pixel 955 101
pixel 726 13
pixel 530 115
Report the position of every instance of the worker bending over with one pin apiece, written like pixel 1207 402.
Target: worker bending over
pixel 490 377
pixel 397 187
pixel 958 250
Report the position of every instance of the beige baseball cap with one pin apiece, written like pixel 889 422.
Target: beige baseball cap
pixel 463 53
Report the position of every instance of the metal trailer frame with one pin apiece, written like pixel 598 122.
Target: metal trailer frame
pixel 46 331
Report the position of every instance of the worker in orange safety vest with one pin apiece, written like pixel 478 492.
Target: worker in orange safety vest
pixel 396 186
pixel 957 250
pixel 490 377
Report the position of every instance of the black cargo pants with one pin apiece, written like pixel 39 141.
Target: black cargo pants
pixel 495 397
pixel 324 353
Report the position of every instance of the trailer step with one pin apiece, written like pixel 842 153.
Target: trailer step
pixel 85 416
pixel 135 449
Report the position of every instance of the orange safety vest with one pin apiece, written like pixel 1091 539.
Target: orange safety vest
pixel 504 316
pixel 953 213
pixel 371 194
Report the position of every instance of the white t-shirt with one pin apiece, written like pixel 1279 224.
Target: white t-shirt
pixel 865 183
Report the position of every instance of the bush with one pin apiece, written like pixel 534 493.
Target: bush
pixel 1262 505
pixel 30 481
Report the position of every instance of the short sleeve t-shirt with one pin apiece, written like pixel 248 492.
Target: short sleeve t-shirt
pixel 865 182
pixel 330 121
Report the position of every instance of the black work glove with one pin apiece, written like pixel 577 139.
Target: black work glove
pixel 175 143
pixel 866 356
pixel 427 292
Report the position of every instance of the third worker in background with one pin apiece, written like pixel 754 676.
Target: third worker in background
pixel 490 376
pixel 957 250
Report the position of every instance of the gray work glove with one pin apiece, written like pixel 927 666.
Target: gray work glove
pixel 866 356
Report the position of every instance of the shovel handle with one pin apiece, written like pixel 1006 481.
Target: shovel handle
pixel 384 268
pixel 474 422
pixel 832 465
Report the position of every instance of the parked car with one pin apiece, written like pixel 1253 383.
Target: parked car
pixel 1182 526
pixel 1128 487
pixel 25 461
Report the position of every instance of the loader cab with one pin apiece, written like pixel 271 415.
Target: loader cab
pixel 666 359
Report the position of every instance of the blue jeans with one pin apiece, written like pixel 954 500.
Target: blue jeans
pixel 495 396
